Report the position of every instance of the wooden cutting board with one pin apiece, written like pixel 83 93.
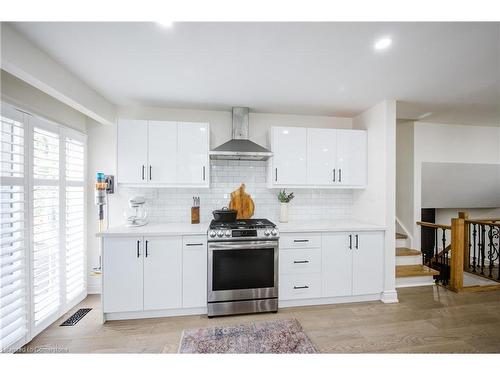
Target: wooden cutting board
pixel 242 202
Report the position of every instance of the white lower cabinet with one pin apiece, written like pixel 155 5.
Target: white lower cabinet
pixel 162 273
pixel 154 273
pixel 194 271
pixel 336 266
pixel 123 274
pixel 331 264
pixel 368 263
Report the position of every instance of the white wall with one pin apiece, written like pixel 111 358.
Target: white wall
pixel 404 173
pixel 19 93
pixel 376 203
pixel 454 144
pixel 26 61
pixel 172 204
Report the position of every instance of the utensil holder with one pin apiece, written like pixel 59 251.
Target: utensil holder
pixel 195 215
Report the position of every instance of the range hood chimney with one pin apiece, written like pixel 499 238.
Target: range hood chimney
pixel 240 147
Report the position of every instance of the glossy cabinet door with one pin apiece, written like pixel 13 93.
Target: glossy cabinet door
pixel 192 157
pixel 162 152
pixel 321 156
pixel 289 160
pixel 337 266
pixel 162 273
pixel 351 160
pixel 132 151
pixel 122 274
pixel 194 271
pixel 368 262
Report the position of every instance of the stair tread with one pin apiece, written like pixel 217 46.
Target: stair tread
pixel 405 252
pixel 415 270
pixel 401 236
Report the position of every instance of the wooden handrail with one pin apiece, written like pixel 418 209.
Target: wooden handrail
pixel 433 225
pixel 495 219
pixel 483 222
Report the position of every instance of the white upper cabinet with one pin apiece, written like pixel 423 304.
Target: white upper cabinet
pixel 193 159
pixel 163 153
pixel 313 157
pixel 351 157
pixel 321 156
pixel 132 151
pixel 288 164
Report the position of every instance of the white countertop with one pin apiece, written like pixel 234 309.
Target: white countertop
pixel 156 229
pixel 328 226
pixel 181 229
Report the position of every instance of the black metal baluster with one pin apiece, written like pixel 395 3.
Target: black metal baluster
pixel 482 247
pixel 474 232
pixel 491 251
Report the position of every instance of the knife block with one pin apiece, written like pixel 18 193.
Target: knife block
pixel 195 215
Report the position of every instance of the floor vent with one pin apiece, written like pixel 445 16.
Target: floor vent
pixel 75 318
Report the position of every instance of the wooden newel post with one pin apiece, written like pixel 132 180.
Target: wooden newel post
pixel 457 254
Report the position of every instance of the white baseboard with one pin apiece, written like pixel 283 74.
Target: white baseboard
pixel 154 313
pixel 328 300
pixel 405 282
pixel 389 296
pixel 93 289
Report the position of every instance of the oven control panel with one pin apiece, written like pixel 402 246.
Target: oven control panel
pixel 226 234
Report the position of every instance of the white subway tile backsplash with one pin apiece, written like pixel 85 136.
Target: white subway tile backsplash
pixel 173 205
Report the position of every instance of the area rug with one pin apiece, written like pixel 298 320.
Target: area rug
pixel 276 336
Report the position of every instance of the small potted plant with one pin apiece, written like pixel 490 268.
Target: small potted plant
pixel 284 199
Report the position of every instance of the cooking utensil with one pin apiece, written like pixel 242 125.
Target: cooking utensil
pixel 225 215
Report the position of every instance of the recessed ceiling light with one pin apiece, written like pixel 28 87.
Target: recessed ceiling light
pixel 382 43
pixel 165 23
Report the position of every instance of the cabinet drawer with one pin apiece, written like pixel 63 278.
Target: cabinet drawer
pixel 300 240
pixel 300 286
pixel 300 261
pixel 194 242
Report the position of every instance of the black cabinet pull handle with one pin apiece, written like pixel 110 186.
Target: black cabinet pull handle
pixel 143 172
pixel 301 287
pixel 334 175
pixel 350 241
pixel 138 248
pixel 203 173
pixel 275 174
pixel 150 170
pixel 147 248
pixel 340 175
pixel 300 261
pixel 300 240
pixel 356 242
pixel 194 244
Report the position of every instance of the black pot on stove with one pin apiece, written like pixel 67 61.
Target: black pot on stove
pixel 225 215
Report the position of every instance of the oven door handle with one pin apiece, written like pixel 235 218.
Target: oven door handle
pixel 244 245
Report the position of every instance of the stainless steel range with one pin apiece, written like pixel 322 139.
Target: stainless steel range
pixel 242 267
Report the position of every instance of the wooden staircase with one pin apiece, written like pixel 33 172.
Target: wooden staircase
pixel 409 268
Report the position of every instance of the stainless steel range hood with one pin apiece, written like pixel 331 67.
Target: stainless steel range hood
pixel 240 147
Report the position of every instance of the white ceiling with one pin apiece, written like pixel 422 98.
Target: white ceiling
pixel 451 70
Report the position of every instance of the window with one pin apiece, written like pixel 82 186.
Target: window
pixel 13 265
pixel 43 270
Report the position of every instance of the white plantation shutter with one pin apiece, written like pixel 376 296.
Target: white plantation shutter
pixel 46 230
pixel 13 265
pixel 42 222
pixel 74 218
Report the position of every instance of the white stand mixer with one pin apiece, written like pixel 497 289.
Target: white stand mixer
pixel 136 215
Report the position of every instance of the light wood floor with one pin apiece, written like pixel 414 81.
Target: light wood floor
pixel 427 320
